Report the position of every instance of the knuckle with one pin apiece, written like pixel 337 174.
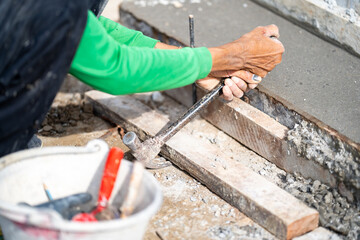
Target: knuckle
pixel 261 29
pixel 242 85
pixel 247 75
pixel 282 48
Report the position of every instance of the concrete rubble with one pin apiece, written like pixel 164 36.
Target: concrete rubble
pixel 190 210
pixel 336 212
pixel 280 102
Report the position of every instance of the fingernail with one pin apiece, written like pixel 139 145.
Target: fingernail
pixel 256 78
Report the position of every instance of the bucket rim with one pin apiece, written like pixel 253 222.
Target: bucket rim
pixel 10 211
pixel 60 224
pixel 94 146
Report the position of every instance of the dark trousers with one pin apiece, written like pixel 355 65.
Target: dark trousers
pixel 38 40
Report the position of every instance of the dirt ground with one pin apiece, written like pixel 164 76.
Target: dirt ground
pixel 189 210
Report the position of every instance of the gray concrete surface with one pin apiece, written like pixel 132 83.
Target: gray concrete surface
pixel 315 76
pixel 325 18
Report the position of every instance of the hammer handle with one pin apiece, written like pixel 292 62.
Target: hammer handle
pixel 190 114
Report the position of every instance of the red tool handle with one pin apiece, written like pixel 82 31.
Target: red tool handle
pixel 84 217
pixel 107 184
pixel 109 176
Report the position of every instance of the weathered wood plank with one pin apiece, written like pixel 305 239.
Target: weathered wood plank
pixel 273 208
pixel 245 123
pixel 256 130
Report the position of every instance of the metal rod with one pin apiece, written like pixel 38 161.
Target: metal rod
pixel 192 45
pixel 190 114
pixel 191 29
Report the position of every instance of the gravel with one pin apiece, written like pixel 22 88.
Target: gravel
pixel 65 113
pixel 237 232
pixel 336 213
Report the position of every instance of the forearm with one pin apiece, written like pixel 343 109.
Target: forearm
pixel 119 69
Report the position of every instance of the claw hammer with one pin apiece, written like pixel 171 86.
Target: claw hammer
pixel 145 152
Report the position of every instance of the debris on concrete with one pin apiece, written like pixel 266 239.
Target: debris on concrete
pixel 157 97
pixel 186 211
pixel 192 217
pixel 274 108
pixel 235 232
pixel 336 212
pixel 315 145
pixel 189 207
pixel 352 15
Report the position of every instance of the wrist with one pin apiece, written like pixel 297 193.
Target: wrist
pixel 160 45
pixel 218 56
pixel 228 57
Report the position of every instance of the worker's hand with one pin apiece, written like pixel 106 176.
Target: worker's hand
pixel 236 83
pixel 258 51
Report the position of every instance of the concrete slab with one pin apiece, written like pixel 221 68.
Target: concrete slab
pixel 316 77
pixel 337 22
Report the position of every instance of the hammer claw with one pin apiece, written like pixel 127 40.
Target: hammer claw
pixel 151 164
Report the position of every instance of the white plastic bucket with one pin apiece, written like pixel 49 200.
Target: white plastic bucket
pixel 66 171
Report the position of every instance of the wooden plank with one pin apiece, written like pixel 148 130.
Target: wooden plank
pixel 270 206
pixel 258 131
pixel 319 234
pixel 248 125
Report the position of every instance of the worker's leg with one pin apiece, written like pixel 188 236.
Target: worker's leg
pixel 37 44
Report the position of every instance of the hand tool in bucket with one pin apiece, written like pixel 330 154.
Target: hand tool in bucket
pixel 107 184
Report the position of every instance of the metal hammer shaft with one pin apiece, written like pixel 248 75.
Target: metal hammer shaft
pixel 131 140
pixel 190 114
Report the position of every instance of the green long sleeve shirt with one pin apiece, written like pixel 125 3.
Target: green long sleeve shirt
pixel 117 60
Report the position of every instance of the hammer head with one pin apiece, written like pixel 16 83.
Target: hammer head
pixel 145 152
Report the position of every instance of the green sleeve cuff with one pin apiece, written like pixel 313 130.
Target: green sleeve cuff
pixel 126 36
pixel 145 41
pixel 204 59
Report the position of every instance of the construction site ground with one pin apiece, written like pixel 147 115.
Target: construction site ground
pixel 190 210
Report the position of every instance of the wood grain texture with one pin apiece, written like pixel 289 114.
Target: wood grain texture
pixel 256 130
pixel 245 123
pixel 273 208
